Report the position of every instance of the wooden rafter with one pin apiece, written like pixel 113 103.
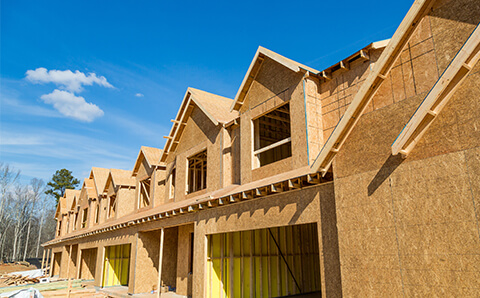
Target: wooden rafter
pixel 368 89
pixel 439 95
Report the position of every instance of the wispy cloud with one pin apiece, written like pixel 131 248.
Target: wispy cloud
pixel 139 95
pixel 66 79
pixel 72 106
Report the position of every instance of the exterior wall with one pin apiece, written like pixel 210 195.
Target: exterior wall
pixel 410 226
pixel 273 86
pixel 311 205
pixel 146 262
pixel 125 201
pixel 159 187
pixel 199 134
pixel 143 173
pixel 184 278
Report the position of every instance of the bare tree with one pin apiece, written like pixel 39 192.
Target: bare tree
pixel 37 188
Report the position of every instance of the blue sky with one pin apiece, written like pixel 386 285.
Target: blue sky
pixel 86 83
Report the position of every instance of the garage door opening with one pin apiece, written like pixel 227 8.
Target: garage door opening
pixel 88 263
pixel 116 265
pixel 271 262
pixel 57 259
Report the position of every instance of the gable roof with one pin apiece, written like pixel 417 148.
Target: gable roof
pixel 61 207
pixel 255 66
pixel 71 195
pixel 367 90
pixel 99 176
pixel 120 178
pixel 215 107
pixel 150 154
pixel 89 186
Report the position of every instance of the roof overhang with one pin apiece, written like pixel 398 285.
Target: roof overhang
pixel 186 108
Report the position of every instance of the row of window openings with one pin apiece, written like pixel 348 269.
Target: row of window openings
pixel 272 142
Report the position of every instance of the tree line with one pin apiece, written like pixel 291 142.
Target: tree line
pixel 27 212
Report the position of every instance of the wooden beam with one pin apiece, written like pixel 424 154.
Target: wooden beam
pixel 160 262
pixel 271 146
pixel 439 95
pixel 327 76
pixel 367 90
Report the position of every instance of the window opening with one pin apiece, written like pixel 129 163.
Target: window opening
pixel 84 217
pixel 272 136
pixel 172 184
pixel 59 227
pixel 197 172
pixel 144 193
pixel 97 213
pixel 113 206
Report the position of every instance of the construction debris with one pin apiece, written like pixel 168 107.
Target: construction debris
pixel 16 279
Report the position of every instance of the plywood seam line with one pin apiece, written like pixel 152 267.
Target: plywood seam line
pixel 373 82
pixel 283 257
pixel 306 120
pixel 436 99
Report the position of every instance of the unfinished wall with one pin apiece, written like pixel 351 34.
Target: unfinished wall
pixel 273 86
pixel 184 276
pixel 159 187
pixel 169 266
pixel 311 205
pixel 146 262
pixel 410 227
pixel 125 201
pixel 88 263
pixel 199 134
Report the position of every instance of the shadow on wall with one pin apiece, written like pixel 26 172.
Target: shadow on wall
pixel 388 167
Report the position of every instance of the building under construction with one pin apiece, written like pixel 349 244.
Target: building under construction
pixel 362 179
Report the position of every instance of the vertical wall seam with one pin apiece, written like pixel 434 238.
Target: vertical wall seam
pixel 396 237
pixel 306 121
pixel 471 192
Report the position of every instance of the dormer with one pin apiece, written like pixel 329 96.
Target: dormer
pixel 119 193
pixel 150 178
pixel 197 152
pixel 98 205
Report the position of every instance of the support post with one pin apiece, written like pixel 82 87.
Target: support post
pixel 160 260
pixel 68 272
pixel 43 260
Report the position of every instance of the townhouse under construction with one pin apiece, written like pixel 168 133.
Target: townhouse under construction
pixel 362 179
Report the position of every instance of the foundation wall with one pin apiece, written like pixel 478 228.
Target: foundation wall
pixel 410 226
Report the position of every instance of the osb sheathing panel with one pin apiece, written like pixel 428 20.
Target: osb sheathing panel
pixel 452 22
pixel 273 85
pixel 314 117
pixel 146 262
pixel 312 205
pixel 410 227
pixel 159 187
pixel 125 201
pixel 184 279
pixel 169 266
pixel 88 263
pixel 199 134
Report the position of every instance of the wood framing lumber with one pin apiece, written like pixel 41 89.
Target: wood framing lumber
pixel 439 95
pixel 368 89
pixel 160 262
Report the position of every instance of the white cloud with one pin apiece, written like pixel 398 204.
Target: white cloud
pixel 139 95
pixel 72 106
pixel 66 79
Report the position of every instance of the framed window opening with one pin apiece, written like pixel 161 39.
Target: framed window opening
pixel 97 213
pixel 84 218
pixel 272 137
pixel 197 172
pixel 59 228
pixel 112 207
pixel 144 193
pixel 173 175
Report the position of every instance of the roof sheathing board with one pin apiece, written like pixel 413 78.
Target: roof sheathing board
pixel 215 107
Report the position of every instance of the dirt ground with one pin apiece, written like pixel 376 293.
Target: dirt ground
pixel 11 267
